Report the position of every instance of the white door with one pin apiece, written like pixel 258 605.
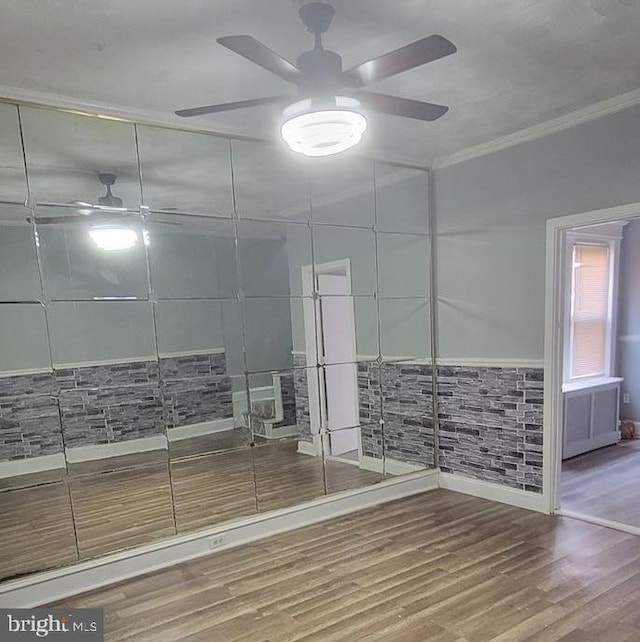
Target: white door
pixel 336 323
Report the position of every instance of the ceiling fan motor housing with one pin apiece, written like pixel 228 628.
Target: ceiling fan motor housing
pixel 109 199
pixel 317 16
pixel 321 69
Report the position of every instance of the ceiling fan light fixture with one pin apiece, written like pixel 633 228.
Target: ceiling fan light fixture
pixel 322 132
pixel 111 239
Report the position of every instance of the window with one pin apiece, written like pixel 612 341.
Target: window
pixel 591 294
pixel 590 315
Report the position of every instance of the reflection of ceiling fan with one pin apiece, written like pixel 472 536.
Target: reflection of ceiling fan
pixel 109 200
pixel 110 224
pixel 108 205
pixel 327 117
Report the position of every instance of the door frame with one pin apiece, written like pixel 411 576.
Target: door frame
pixel 339 267
pixel 554 330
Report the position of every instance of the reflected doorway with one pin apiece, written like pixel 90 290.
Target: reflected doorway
pixel 333 318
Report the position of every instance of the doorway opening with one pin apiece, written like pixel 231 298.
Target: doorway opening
pixel 592 362
pixel 331 338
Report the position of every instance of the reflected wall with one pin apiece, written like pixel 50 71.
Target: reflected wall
pixel 195 329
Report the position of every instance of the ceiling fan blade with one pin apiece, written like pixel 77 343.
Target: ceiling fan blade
pixel 401 106
pixel 253 50
pixel 413 55
pixel 238 104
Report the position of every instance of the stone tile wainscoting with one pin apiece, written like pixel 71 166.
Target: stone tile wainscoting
pixel 490 424
pixel 29 417
pixel 288 392
pixel 104 404
pixel 403 393
pixel 196 389
pixel 110 403
pixel 371 439
pixel 301 397
pixel 407 410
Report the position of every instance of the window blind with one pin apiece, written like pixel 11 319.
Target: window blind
pixel 590 309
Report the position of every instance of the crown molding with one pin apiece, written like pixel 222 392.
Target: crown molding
pixel 584 115
pixel 112 111
pixel 151 117
pixel 158 118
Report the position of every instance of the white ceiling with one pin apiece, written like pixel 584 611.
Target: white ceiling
pixel 519 62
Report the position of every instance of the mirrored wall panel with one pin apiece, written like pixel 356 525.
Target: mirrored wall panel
pixel 185 171
pixel 195 329
pixel 268 183
pixel 342 191
pixel 13 181
pixel 79 160
pixel 37 529
pixel 93 255
pixel 18 255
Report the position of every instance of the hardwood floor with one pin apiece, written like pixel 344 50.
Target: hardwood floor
pixel 121 509
pixel 440 566
pixel 132 500
pixel 604 483
pixel 212 489
pixel 36 529
pixel 213 442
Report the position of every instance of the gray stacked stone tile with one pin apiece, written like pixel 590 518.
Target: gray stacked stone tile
pixel 402 394
pixel 133 373
pixel 40 383
pixel 196 389
pixel 371 439
pixel 197 366
pixel 407 410
pixel 301 397
pixel 288 392
pixel 29 423
pixel 490 424
pixel 106 404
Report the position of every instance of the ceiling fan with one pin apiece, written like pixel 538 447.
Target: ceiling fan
pixel 327 116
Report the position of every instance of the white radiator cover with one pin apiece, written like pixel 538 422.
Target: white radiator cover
pixel 591 415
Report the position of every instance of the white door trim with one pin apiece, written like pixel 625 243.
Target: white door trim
pixel 554 335
pixel 341 267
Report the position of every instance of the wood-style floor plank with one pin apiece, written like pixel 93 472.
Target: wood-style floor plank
pixel 36 529
pixel 121 509
pixel 439 566
pixel 603 483
pixel 128 501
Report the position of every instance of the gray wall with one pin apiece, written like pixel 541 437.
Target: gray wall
pixel 491 214
pixel 628 353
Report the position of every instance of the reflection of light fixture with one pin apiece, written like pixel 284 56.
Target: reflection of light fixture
pixel 109 238
pixel 323 131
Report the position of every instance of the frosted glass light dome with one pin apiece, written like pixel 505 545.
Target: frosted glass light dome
pixel 322 132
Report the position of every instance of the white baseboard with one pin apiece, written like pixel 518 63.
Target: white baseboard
pixel 32 465
pixel 390 466
pixel 117 449
pixel 51 586
pixel 280 432
pixel 204 428
pixel 494 492
pixel 309 448
pixel 618 526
